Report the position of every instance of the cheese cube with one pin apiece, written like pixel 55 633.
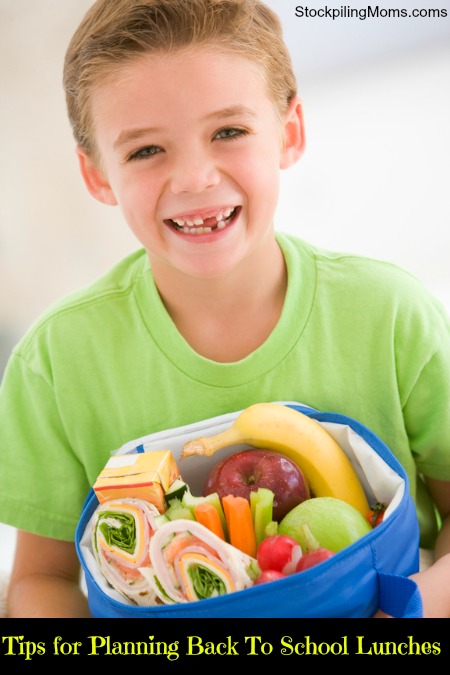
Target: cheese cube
pixel 143 475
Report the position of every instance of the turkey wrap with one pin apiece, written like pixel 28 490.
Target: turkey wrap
pixel 121 534
pixel 189 562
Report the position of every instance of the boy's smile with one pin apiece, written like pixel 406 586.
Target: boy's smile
pixel 190 146
pixel 203 223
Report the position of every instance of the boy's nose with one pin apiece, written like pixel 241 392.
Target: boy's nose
pixel 194 172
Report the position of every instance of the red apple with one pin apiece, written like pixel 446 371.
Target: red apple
pixel 247 470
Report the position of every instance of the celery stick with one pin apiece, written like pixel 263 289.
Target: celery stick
pixel 214 499
pixel 178 510
pixel 261 503
pixel 271 529
pixel 190 501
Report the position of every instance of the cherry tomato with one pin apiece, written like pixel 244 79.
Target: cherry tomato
pixel 376 514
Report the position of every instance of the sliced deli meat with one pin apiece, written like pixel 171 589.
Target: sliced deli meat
pixel 121 534
pixel 189 562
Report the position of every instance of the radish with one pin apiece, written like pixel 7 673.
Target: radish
pixel 269 575
pixel 314 553
pixel 280 553
pixel 311 558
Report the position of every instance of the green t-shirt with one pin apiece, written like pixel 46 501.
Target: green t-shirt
pixel 107 365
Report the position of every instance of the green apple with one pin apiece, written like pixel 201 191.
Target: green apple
pixel 333 523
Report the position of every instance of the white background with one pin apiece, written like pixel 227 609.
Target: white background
pixel 374 178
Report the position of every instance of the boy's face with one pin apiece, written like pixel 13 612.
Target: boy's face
pixel 190 147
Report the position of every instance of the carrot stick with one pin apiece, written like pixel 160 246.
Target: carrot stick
pixel 240 524
pixel 207 515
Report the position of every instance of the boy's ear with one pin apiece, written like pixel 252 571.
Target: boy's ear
pixel 95 180
pixel 294 134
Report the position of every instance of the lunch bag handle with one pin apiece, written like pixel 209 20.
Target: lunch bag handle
pixel 400 596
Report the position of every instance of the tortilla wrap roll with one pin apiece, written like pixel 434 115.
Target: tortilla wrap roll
pixel 189 562
pixel 121 533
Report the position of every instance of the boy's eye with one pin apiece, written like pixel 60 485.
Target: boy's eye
pixel 230 133
pixel 143 153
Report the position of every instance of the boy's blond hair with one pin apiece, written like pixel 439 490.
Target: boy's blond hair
pixel 115 31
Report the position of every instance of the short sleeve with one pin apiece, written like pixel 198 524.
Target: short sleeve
pixel 426 389
pixel 42 483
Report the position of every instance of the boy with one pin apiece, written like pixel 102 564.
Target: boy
pixel 184 112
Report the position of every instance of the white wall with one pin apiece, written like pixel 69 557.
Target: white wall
pixel 375 177
pixel 53 236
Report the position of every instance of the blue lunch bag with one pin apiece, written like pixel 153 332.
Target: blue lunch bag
pixel 372 573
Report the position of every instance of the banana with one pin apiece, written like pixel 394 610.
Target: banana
pixel 277 427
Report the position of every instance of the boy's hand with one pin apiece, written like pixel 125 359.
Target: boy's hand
pixel 434 589
pixel 381 615
pixel 45 582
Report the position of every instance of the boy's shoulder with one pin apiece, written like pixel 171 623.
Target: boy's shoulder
pixel 358 280
pixel 116 280
pixel 353 262
pixel 116 283
pixel 343 267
